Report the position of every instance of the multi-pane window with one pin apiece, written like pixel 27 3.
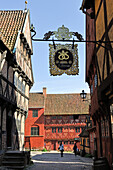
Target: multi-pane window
pixel 54 130
pixel 60 130
pixel 23 88
pixel 19 84
pixel 59 117
pixel 15 80
pixel 71 142
pixel 35 131
pixel 65 142
pixel 35 113
pixel 71 117
pixel 77 129
pixel 53 117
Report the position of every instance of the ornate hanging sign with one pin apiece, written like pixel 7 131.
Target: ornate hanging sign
pixel 63 59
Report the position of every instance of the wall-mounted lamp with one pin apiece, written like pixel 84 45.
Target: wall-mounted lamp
pixel 83 95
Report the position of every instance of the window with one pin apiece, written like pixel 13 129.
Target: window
pixel 15 80
pixel 95 80
pixel 35 113
pixel 53 117
pixel 65 142
pixel 19 84
pixel 60 130
pixel 23 88
pixel 71 142
pixel 77 129
pixel 59 142
pixel 71 117
pixel 59 117
pixel 35 131
pixel 54 130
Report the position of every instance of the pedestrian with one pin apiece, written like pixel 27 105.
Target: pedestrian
pixel 75 148
pixel 61 148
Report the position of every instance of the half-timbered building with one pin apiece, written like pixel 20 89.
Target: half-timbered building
pixel 16 76
pixel 59 117
pixel 99 74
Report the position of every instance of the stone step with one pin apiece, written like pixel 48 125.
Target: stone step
pixel 14 157
pixel 12 163
pixel 15 153
pixel 14 167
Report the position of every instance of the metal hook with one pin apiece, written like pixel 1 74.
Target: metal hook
pixel 54 44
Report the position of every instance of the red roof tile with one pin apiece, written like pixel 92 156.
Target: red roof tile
pixel 10 23
pixel 36 100
pixel 59 104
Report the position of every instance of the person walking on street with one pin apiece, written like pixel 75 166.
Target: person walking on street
pixel 75 148
pixel 61 148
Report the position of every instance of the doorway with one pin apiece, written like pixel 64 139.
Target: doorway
pixel 9 130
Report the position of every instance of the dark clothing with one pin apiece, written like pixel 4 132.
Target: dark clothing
pixel 75 149
pixel 61 147
pixel 61 153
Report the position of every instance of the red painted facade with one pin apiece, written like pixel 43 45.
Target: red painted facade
pixel 46 126
pixel 53 130
pixel 35 141
pixel 63 128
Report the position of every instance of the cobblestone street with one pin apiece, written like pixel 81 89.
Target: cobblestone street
pixel 53 161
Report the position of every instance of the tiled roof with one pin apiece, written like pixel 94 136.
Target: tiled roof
pixel 10 23
pixel 36 100
pixel 59 104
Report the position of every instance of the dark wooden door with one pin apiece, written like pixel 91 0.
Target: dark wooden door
pixel 9 129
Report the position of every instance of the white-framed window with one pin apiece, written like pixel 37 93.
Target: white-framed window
pixel 35 131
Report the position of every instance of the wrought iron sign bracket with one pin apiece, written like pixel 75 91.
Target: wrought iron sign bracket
pixel 79 36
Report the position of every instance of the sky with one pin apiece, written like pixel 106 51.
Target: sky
pixel 49 15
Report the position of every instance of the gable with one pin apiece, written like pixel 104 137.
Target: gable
pixel 26 30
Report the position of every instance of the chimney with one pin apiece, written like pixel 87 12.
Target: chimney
pixel 44 91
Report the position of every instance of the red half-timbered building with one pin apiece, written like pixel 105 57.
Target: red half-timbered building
pixel 60 117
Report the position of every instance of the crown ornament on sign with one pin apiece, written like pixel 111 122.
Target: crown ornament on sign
pixel 63 34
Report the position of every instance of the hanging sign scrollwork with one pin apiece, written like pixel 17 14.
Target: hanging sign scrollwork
pixel 63 58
